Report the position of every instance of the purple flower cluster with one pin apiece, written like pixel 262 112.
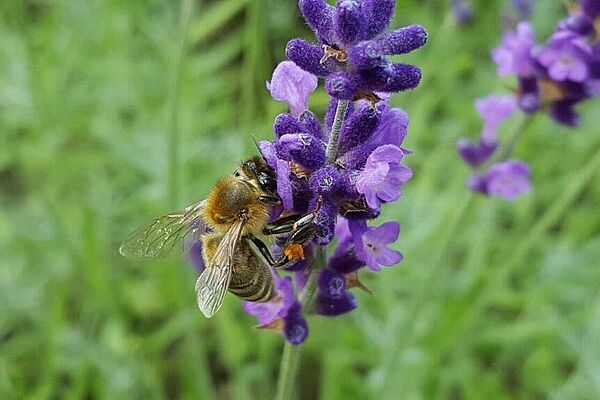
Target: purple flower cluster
pixel 560 74
pixel 552 78
pixel 345 189
pixel 353 48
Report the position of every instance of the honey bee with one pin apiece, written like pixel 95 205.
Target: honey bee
pixel 229 223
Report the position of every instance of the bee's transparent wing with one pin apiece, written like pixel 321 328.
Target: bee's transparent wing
pixel 159 236
pixel 213 283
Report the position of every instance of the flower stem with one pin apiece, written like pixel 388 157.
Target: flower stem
pixel 518 134
pixel 291 353
pixel 334 137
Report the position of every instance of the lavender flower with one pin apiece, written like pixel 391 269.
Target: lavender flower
pixel 383 176
pixel 566 58
pixel 463 11
pixel 514 55
pixel 508 179
pixel 268 312
pixel 552 78
pixel 494 110
pixel 360 171
pixel 353 46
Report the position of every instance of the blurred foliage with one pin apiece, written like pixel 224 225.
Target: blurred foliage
pixel 93 93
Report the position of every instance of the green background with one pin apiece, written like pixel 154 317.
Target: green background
pixel 113 112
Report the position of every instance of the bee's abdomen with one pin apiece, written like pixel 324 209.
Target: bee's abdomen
pixel 251 279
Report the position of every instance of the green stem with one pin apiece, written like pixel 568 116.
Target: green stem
pixel 512 143
pixel 291 353
pixel 173 134
pixel 334 137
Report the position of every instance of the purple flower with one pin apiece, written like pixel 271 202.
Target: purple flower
pixel 278 307
pixel 372 247
pixel 564 113
pixel 383 176
pixel 494 110
pixel 195 256
pixel 391 129
pixel 353 46
pixel 295 328
pixel 508 179
pixel 292 85
pixel 591 8
pixel 476 154
pixel 566 58
pixel 463 11
pixel 514 55
pixel 333 297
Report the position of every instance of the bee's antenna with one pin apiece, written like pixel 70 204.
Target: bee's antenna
pixel 253 136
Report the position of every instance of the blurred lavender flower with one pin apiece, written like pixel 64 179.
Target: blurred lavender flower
pixel 463 11
pixel 514 55
pixel 566 58
pixel 493 109
pixel 552 78
pixel 508 179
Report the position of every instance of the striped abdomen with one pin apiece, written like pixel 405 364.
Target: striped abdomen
pixel 251 279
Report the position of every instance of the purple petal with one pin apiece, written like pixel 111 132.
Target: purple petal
pixel 333 307
pixel 284 185
pixel 388 232
pixel 296 328
pixel 394 78
pixel 319 16
pixel 286 124
pixel 403 40
pixel 349 21
pixel 292 85
pixel 379 15
pixel 358 127
pixel 389 257
pixel 367 55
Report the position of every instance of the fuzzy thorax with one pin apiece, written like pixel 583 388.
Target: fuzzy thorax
pixel 232 199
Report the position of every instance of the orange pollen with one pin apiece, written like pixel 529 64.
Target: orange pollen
pixel 339 55
pixel 294 251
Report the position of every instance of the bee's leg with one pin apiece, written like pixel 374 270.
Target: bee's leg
pixel 299 238
pixel 289 224
pixel 264 250
pixel 269 199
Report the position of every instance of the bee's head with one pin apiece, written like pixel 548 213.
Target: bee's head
pixel 257 170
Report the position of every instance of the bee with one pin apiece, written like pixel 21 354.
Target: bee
pixel 229 223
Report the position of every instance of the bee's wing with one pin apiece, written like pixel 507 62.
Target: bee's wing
pixel 159 236
pixel 213 283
